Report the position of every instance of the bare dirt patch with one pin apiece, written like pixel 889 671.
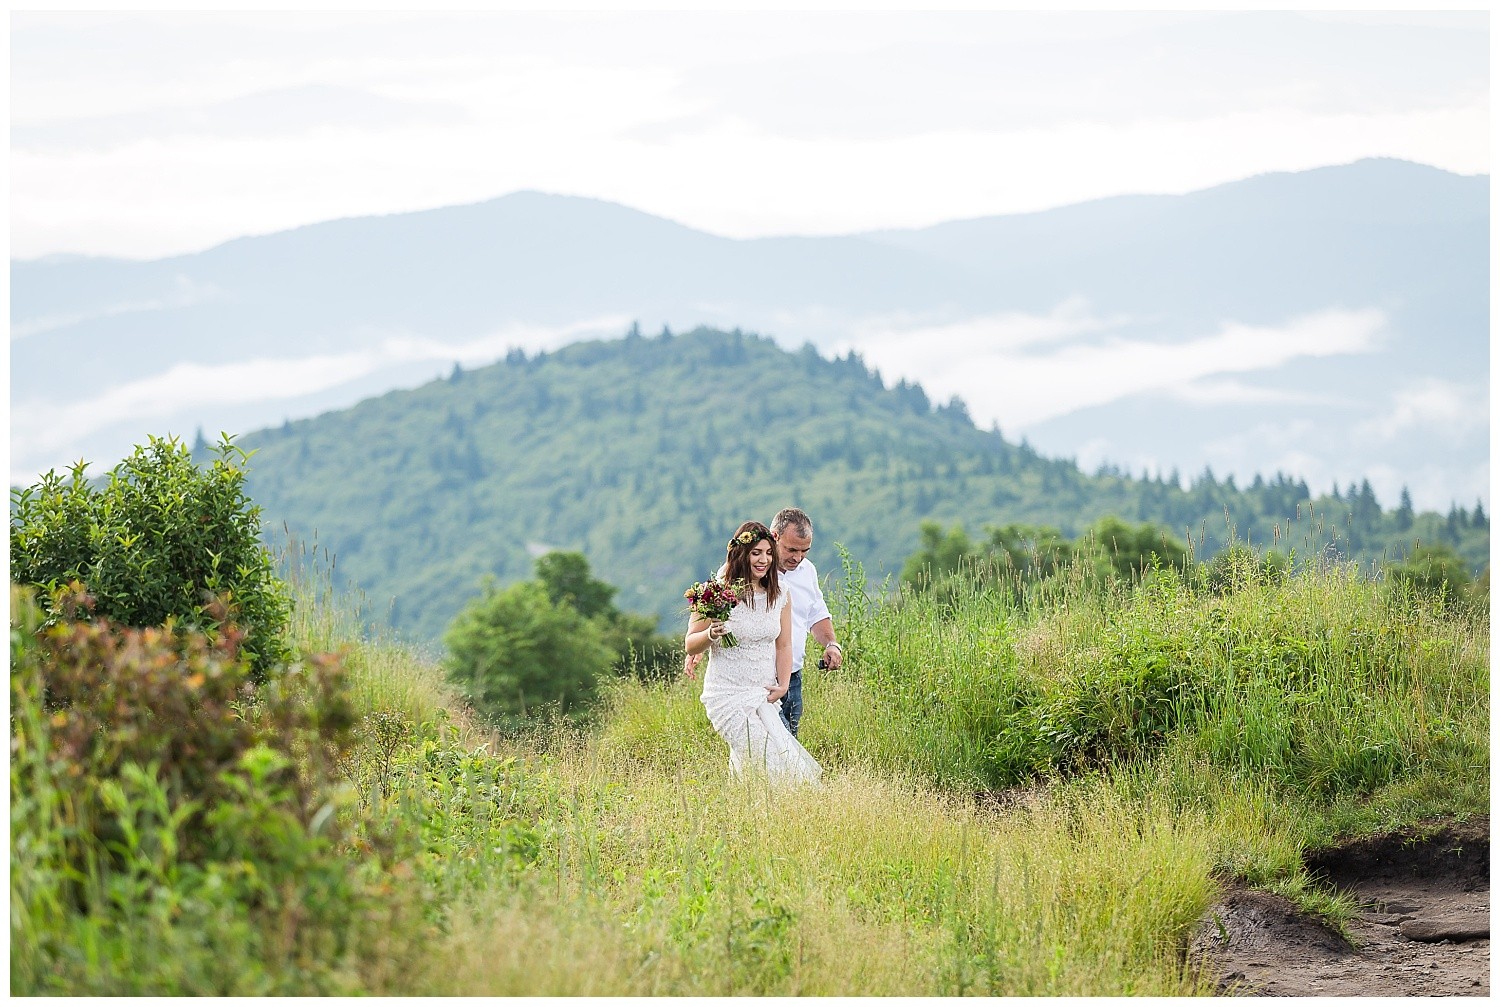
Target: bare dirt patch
pixel 1423 927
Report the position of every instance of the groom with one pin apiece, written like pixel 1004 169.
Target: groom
pixel 794 533
pixel 794 530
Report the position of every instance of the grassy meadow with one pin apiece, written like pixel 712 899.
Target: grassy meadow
pixel 1023 795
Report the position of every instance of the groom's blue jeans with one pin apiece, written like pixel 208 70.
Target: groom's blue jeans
pixel 791 703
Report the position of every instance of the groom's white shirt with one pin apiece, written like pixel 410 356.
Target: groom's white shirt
pixel 808 606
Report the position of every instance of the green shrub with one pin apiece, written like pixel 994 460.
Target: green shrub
pixel 1239 566
pixel 1322 683
pixel 515 652
pixel 158 542
pixel 1033 560
pixel 460 818
pixel 640 651
pixel 1130 552
pixel 941 554
pixel 174 827
pixel 1118 704
pixel 1432 571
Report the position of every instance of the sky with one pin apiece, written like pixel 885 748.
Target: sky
pixel 147 135
pixel 144 135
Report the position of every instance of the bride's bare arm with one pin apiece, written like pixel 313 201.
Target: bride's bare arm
pixel 700 633
pixel 783 656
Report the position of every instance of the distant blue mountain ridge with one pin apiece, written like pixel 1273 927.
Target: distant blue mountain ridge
pixel 259 329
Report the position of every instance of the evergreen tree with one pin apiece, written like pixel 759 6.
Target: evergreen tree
pixel 1366 507
pixel 1404 513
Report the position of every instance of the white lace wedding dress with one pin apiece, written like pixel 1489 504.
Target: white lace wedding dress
pixel 734 694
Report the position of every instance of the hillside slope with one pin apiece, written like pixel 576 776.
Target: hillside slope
pixel 644 453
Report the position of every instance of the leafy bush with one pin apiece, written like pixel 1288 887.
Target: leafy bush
pixel 1239 566
pixel 639 649
pixel 174 826
pixel 568 580
pixel 156 543
pixel 1129 552
pixel 546 643
pixel 1118 703
pixel 1323 682
pixel 1016 558
pixel 940 554
pixel 464 818
pixel 1432 571
pixel 516 651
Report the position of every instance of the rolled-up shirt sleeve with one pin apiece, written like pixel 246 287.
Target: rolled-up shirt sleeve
pixel 817 608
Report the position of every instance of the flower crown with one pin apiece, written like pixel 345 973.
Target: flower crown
pixel 750 536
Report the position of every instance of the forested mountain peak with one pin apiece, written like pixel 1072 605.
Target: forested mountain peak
pixel 644 452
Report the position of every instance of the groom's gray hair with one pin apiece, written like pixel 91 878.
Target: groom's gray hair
pixel 794 517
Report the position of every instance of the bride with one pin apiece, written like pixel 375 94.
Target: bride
pixel 743 686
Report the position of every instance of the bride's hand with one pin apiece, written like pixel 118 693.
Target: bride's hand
pixel 775 692
pixel 716 630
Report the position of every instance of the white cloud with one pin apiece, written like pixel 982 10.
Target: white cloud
pixel 1009 373
pixel 1227 455
pixel 154 197
pixel 1442 407
pixel 1212 392
pixel 1008 330
pixel 1129 73
pixel 1432 487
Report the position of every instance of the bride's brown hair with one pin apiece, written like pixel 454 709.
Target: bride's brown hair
pixel 737 560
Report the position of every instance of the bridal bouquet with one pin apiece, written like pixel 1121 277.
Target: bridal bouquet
pixel 714 599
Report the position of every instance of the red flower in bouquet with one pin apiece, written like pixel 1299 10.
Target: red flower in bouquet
pixel 714 599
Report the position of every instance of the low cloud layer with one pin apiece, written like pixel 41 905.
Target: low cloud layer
pixel 44 431
pixel 1010 369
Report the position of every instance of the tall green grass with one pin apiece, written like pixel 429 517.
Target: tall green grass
pixel 387 675
pixel 1021 797
pixel 1034 798
pixel 692 883
pixel 1323 682
pixel 1289 711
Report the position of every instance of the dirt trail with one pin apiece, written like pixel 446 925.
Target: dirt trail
pixel 1423 928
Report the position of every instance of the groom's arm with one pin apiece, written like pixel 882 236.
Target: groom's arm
pixel 822 631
